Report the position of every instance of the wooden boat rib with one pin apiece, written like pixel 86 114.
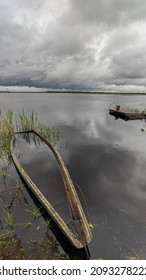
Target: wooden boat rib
pixel 77 231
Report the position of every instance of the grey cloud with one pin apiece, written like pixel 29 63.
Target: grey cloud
pixel 72 44
pixel 108 12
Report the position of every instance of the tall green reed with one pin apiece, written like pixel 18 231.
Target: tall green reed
pixel 27 121
pixel 8 218
pixel 6 132
pixel 22 121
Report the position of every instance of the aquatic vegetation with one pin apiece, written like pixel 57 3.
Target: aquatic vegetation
pixel 35 212
pixel 11 248
pixel 45 249
pixel 91 226
pixel 48 222
pixel 6 133
pixel 22 121
pixel 8 218
pixel 138 110
pixel 4 173
pixel 132 258
pixel 28 121
pixel 25 121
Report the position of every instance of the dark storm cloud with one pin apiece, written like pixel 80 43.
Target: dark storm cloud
pixel 96 44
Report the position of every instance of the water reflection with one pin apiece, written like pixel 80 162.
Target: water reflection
pixel 106 158
pixel 112 178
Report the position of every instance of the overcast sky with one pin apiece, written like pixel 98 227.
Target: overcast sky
pixel 73 44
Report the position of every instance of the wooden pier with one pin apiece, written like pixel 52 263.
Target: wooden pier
pixel 77 230
pixel 118 114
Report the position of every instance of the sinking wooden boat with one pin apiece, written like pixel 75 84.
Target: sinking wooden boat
pixel 77 231
pixel 118 114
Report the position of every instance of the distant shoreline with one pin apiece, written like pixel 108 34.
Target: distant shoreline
pixel 76 92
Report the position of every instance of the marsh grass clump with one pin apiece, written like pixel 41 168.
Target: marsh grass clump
pixel 28 121
pixel 11 248
pixel 138 110
pixel 8 218
pixel 6 133
pixel 22 121
pixel 52 134
pixel 35 212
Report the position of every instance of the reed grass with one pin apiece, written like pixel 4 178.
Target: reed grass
pixel 22 121
pixel 8 218
pixel 6 132
pixel 137 110
pixel 27 121
pixel 35 212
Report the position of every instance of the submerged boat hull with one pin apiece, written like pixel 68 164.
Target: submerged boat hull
pixel 77 231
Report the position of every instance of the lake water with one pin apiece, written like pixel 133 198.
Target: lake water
pixel 106 158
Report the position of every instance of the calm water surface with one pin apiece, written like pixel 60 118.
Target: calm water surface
pixel 105 157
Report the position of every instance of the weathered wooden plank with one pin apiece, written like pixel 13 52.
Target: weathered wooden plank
pixel 127 115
